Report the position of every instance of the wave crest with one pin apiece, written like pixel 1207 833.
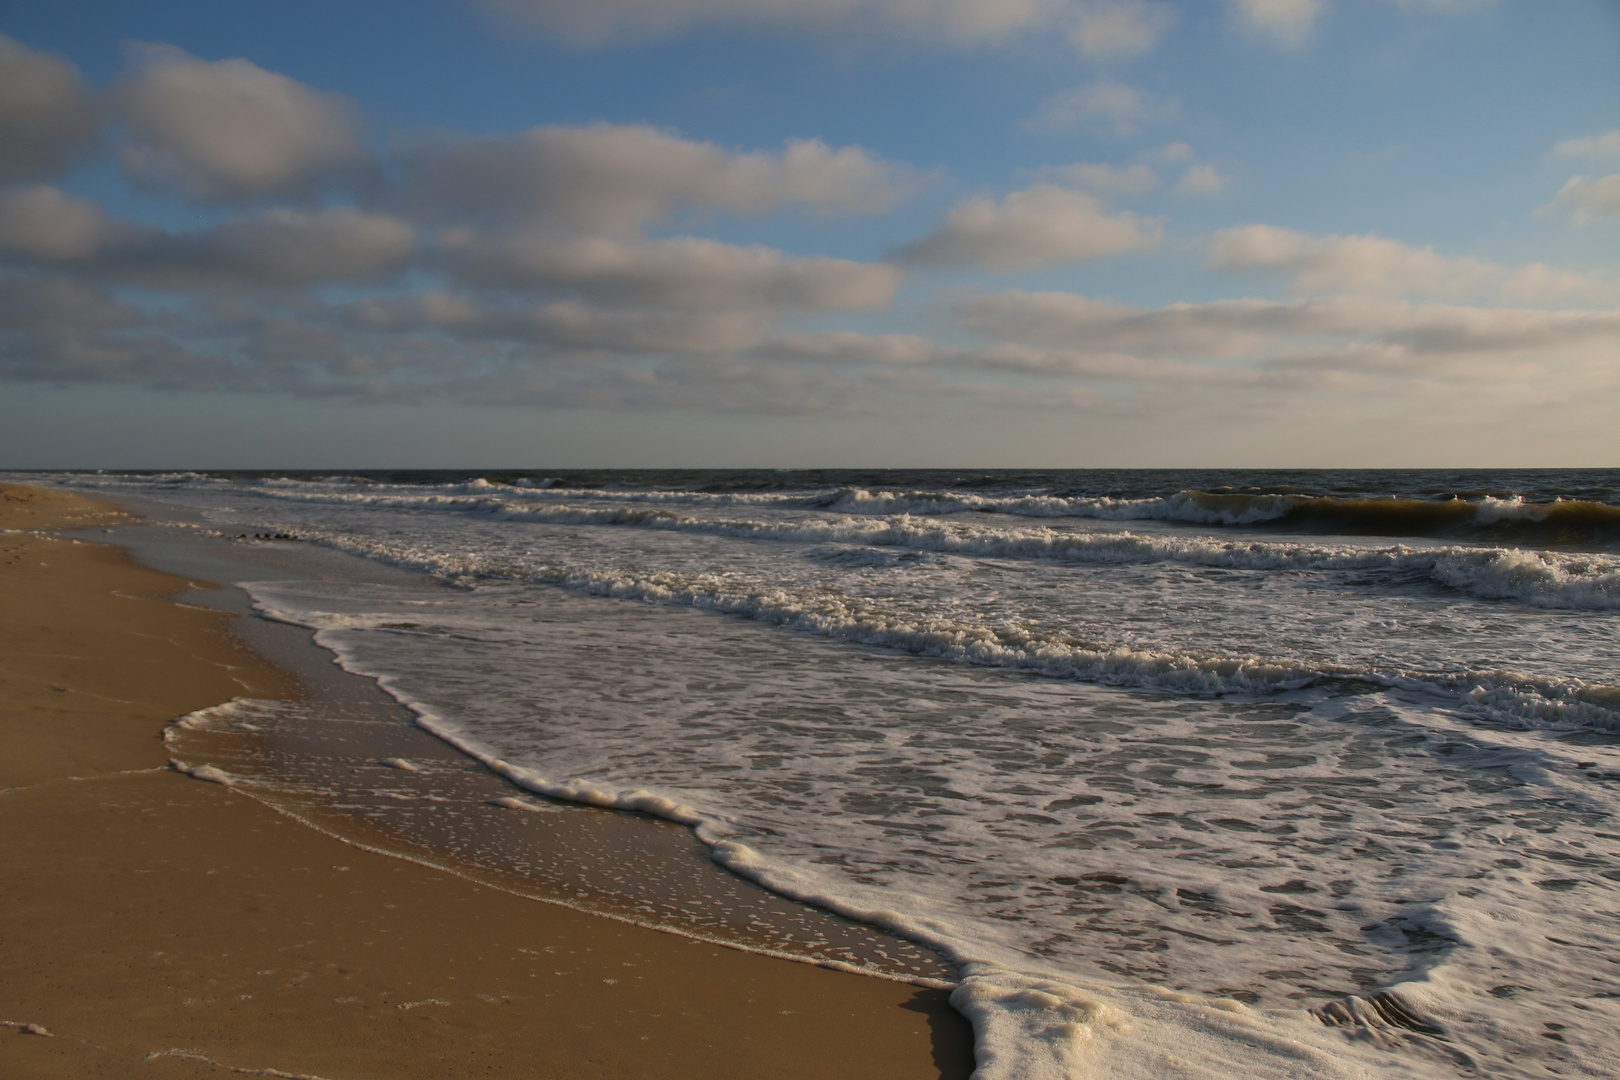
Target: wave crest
pixel 1539 578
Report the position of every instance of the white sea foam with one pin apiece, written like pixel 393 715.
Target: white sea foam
pixel 1497 693
pixel 1360 823
pixel 1005 833
pixel 210 773
pixel 1185 506
pixel 1030 1027
pixel 512 802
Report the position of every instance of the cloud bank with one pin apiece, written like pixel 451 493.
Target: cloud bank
pixel 1098 29
pixel 1286 22
pixel 625 178
pixel 229 130
pixel 47 112
pixel 1596 146
pixel 1375 265
pixel 587 23
pixel 1103 105
pixel 1044 225
pixel 1588 199
pixel 567 265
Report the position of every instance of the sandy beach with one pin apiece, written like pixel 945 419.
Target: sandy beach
pixel 157 925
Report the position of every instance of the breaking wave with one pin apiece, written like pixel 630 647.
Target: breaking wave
pixel 1538 578
pixel 1509 519
pixel 1500 696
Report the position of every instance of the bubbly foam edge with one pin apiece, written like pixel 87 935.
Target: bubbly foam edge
pixel 246 788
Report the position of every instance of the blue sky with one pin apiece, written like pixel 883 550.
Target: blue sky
pixel 819 232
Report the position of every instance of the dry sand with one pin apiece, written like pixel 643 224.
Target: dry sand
pixel 160 926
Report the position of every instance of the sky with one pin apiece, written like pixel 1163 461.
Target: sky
pixel 809 233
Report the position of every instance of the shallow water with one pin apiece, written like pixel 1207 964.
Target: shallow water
pixel 1167 766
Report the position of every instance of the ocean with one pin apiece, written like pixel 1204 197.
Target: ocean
pixel 1202 773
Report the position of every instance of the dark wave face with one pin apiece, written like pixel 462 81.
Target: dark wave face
pixel 1496 520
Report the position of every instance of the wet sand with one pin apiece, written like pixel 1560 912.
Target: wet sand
pixel 157 925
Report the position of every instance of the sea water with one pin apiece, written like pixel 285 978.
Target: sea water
pixel 1206 774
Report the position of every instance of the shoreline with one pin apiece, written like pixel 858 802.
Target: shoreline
pixel 333 760
pixel 161 926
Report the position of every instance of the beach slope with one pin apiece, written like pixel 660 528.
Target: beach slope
pixel 155 925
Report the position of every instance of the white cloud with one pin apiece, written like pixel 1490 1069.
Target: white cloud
pixel 1538 283
pixel 680 272
pixel 230 129
pixel 1107 104
pixel 570 323
pixel 46 112
pixel 1586 199
pixel 1286 22
pixel 1171 153
pixel 55 304
pixel 273 247
pixel 1099 29
pixel 40 223
pixel 1061 361
pixel 279 247
pixel 1377 266
pixel 1605 145
pixel 1138 178
pixel 1201 180
pixel 1342 331
pixel 849 347
pixel 1041 226
pixel 57 329
pixel 1220 329
pixel 622 178
pixel 1109 28
pixel 1067 362
pixel 594 22
pixel 743 383
pixel 1104 179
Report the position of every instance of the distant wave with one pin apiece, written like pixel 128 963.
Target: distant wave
pixel 1500 519
pixel 1539 578
pixel 1512 520
pixel 1507 520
